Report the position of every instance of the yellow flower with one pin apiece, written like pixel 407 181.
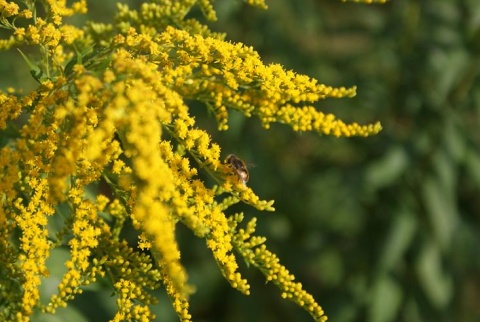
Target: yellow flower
pixel 8 9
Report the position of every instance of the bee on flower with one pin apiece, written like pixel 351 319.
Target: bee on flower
pixel 239 167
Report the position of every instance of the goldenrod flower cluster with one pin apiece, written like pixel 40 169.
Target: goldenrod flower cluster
pixel 107 138
pixel 255 253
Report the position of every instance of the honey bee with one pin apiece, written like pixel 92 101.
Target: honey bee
pixel 239 167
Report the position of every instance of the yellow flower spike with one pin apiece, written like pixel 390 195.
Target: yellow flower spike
pixel 255 253
pixel 270 92
pixel 86 231
pixel 246 195
pixel 128 292
pixel 155 183
pixel 31 219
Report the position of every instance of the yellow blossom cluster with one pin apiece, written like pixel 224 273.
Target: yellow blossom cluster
pixel 136 276
pixel 32 219
pixel 107 139
pixel 86 229
pixel 227 76
pixel 255 253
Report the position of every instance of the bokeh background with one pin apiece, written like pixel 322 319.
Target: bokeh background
pixel 378 229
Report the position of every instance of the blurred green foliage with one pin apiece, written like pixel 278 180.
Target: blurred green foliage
pixel 379 229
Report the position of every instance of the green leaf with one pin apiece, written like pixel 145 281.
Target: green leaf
pixel 386 299
pixel 472 165
pixel 402 231
pixel 436 283
pixel 441 209
pixel 387 170
pixel 35 71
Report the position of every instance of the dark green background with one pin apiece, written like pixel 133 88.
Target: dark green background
pixel 380 229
